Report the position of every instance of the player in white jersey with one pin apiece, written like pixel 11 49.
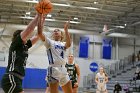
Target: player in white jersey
pixel 57 73
pixel 101 79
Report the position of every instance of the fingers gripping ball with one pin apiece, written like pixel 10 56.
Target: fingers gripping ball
pixel 44 7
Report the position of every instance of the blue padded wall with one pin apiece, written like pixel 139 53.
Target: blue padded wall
pixel 34 78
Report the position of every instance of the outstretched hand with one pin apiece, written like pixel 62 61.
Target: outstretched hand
pixel 67 25
pixel 41 21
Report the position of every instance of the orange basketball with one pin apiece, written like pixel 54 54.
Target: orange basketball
pixel 44 6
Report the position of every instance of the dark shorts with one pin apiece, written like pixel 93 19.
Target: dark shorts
pixel 47 85
pixel 11 84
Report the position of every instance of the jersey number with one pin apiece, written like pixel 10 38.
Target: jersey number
pixel 101 81
pixel 62 54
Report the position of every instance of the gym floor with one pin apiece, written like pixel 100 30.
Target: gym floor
pixel 43 91
pixel 40 91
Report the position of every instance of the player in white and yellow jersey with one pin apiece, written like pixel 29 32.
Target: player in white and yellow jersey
pixel 101 79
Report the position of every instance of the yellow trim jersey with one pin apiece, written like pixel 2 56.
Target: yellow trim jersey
pixel 101 78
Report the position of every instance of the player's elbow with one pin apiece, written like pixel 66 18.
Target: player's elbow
pixel 78 74
pixel 69 45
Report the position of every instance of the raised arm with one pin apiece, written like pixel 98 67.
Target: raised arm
pixel 41 20
pixel 30 28
pixel 67 35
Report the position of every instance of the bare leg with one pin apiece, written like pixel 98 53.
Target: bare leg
pixel 75 90
pixel 97 91
pixel 47 90
pixel 54 87
pixel 67 88
pixel 21 92
pixel 105 91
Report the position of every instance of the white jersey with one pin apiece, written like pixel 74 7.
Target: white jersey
pixel 55 51
pixel 101 78
pixel 101 85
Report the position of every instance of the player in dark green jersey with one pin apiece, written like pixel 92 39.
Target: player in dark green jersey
pixel 18 54
pixel 74 73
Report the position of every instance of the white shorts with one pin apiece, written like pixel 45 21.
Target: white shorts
pixel 57 74
pixel 101 87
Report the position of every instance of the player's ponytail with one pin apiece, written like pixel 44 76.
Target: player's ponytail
pixel 15 34
pixel 105 73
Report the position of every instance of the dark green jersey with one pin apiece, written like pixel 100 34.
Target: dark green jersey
pixel 71 69
pixel 18 54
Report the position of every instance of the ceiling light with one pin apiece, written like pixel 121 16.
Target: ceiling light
pixel 117 35
pixel 34 1
pixel 57 4
pixel 119 26
pixel 92 8
pixel 95 2
pixel 50 19
pixel 75 18
pixel 49 15
pixel 74 22
pixel 27 17
pixel 122 35
pixel 125 24
pixel 28 13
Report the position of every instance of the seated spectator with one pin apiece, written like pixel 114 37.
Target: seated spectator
pixel 137 76
pixel 137 73
pixel 117 88
pixel 126 89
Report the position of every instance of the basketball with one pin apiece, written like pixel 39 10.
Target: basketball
pixel 44 7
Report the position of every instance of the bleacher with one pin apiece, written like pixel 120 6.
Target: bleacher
pixel 121 71
pixel 125 78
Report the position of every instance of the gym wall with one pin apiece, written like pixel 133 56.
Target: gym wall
pixel 38 62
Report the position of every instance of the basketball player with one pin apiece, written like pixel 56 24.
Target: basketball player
pixel 101 79
pixel 18 54
pixel 74 73
pixel 57 73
